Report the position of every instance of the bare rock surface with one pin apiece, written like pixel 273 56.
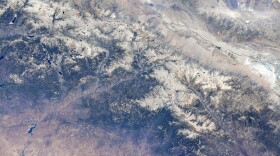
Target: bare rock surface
pixel 139 77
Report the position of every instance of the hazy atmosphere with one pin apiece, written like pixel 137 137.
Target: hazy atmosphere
pixel 139 77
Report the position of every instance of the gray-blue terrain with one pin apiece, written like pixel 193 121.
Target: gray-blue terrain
pixel 139 78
